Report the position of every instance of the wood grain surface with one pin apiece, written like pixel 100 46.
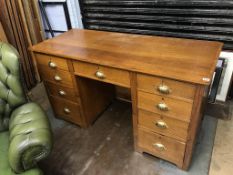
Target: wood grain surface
pixel 46 59
pixel 180 59
pixel 114 76
pixel 180 90
pixel 49 74
pixel 59 106
pixel 174 150
pixel 2 34
pixel 56 89
pixel 142 63
pixel 176 108
pixel 176 129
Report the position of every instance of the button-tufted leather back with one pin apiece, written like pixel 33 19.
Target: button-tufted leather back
pixel 11 92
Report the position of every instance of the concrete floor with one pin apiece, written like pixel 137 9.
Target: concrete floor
pixel 222 157
pixel 107 146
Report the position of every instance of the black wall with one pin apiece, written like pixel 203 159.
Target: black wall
pixel 198 19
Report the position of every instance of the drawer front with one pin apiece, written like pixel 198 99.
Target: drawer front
pixel 66 109
pixel 165 106
pixel 102 73
pixel 52 62
pixel 56 76
pixel 161 146
pixel 163 125
pixel 61 91
pixel 165 87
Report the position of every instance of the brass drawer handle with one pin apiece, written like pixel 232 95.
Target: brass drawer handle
pixel 162 107
pixel 161 124
pixel 52 64
pixel 62 93
pixel 164 89
pixel 57 78
pixel 66 110
pixel 159 146
pixel 100 75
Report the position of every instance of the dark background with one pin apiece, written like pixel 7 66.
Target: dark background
pixel 198 19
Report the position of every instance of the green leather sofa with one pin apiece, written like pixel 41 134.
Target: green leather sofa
pixel 25 134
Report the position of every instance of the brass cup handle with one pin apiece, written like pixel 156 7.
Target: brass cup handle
pixel 164 89
pixel 100 75
pixel 66 110
pixel 161 124
pixel 159 146
pixel 52 64
pixel 162 107
pixel 62 93
pixel 57 78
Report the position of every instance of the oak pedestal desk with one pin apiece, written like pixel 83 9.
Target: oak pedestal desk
pixel 168 79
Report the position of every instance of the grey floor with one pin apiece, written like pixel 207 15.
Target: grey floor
pixel 106 148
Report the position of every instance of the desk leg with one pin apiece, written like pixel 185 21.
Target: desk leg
pixel 133 83
pixel 196 117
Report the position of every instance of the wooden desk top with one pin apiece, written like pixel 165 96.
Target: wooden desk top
pixel 180 59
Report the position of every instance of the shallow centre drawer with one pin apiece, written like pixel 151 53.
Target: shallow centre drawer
pixel 165 87
pixel 161 146
pixel 51 62
pixel 163 125
pixel 102 73
pixel 165 106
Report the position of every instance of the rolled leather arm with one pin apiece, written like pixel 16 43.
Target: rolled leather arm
pixel 30 137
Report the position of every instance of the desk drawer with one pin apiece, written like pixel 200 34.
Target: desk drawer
pixel 160 146
pixel 166 87
pixel 163 125
pixel 52 62
pixel 61 91
pixel 102 73
pixel 56 76
pixel 66 109
pixel 165 106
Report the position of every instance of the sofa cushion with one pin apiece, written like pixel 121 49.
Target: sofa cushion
pixel 29 137
pixel 5 168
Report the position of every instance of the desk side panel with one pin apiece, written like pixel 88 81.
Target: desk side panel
pixel 195 123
